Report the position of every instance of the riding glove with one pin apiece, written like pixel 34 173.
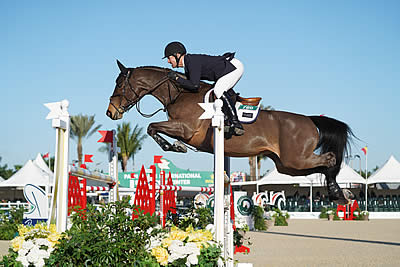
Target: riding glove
pixel 172 75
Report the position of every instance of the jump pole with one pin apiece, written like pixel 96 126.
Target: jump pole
pixel 223 234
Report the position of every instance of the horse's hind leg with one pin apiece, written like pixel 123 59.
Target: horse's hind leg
pixel 335 193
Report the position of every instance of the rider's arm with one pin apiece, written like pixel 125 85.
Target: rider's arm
pixel 194 72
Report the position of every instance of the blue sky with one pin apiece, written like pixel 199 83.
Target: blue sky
pixel 339 58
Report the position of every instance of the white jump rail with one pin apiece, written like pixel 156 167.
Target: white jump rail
pixel 59 204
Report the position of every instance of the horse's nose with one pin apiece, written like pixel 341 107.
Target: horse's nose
pixel 108 113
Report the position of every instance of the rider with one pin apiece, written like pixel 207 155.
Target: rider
pixel 224 70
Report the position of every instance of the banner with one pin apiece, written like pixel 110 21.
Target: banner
pixel 182 177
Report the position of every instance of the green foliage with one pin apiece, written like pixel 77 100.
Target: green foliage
pixel 258 217
pixel 5 172
pixel 197 218
pixel 280 218
pixel 239 236
pixel 9 260
pixel 209 256
pixel 106 237
pixel 9 221
pixel 323 214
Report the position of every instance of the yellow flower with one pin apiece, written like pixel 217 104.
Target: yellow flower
pixel 53 228
pixel 17 243
pixel 178 235
pixel 161 255
pixel 53 238
pixel 207 235
pixel 202 244
pixel 22 229
pixel 166 242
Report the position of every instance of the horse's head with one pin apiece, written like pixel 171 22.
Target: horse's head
pixel 129 89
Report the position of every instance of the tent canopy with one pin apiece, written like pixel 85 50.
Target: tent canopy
pixel 42 164
pixel 30 173
pixel 346 175
pixel 389 173
pixel 274 177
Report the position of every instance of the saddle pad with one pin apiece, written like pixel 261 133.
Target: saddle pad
pixel 246 113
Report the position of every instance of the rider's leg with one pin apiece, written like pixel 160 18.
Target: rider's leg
pixel 237 127
pixel 225 83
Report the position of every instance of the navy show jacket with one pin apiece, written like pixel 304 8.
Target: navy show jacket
pixel 204 67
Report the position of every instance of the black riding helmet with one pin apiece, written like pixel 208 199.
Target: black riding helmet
pixel 174 48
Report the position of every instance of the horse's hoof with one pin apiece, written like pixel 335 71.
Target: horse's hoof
pixel 179 147
pixel 348 194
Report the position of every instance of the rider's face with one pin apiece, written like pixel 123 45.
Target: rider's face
pixel 172 61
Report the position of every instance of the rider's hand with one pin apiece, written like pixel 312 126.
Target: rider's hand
pixel 172 75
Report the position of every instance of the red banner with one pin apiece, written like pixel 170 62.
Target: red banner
pixel 88 158
pixel 106 137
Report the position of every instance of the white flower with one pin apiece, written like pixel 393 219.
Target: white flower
pixel 23 260
pixel 33 255
pixel 22 252
pixel 191 248
pixel 176 246
pixel 175 256
pixel 210 228
pixel 149 230
pixel 43 253
pixel 39 263
pixel 28 245
pixel 42 242
pixel 192 260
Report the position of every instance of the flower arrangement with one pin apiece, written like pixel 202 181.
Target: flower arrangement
pixel 33 245
pixel 179 247
pixel 329 212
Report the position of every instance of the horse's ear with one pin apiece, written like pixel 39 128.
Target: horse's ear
pixel 122 67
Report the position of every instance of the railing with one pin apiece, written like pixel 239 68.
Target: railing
pixel 10 205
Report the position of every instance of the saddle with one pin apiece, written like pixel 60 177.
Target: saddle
pixel 247 109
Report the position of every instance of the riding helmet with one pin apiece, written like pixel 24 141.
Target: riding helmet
pixel 174 48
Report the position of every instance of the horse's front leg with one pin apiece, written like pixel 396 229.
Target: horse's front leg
pixel 173 129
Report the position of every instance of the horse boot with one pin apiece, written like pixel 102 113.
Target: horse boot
pixel 237 127
pixel 336 194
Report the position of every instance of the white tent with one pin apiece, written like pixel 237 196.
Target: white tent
pixel 274 177
pixel 345 176
pixel 30 173
pixel 1 179
pixel 389 173
pixel 42 164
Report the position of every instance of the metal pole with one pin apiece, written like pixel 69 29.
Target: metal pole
pixel 218 124
pixel 366 181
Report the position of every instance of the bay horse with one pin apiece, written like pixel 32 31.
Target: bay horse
pixel 289 139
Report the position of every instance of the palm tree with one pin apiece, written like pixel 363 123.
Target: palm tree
pixel 130 142
pixel 80 128
pixel 253 161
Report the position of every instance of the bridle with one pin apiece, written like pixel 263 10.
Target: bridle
pixel 131 103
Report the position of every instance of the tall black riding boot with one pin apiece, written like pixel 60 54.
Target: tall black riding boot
pixel 237 127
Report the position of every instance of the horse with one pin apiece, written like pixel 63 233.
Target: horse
pixel 298 144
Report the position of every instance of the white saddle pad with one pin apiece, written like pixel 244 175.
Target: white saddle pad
pixel 246 113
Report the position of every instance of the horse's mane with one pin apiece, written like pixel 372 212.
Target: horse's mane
pixel 156 68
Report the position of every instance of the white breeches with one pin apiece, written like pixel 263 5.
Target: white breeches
pixel 229 80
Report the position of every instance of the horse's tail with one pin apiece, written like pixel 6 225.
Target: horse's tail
pixel 334 136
